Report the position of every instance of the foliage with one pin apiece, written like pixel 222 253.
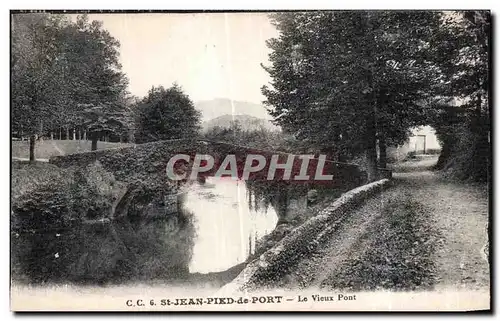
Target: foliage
pixel 38 86
pixel 341 81
pixel 166 114
pixel 46 195
pixel 64 74
pixel 463 120
pixel 262 138
pixel 99 90
pixel 325 83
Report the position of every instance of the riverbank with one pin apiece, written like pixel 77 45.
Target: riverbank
pixel 26 176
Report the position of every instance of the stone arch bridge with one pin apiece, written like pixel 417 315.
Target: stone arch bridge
pixel 140 173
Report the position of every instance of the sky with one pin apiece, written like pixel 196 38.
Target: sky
pixel 211 55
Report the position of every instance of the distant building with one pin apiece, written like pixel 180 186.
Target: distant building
pixel 422 141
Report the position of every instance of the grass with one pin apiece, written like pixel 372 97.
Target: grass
pixel 47 148
pixel 399 256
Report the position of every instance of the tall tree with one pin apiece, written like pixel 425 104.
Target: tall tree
pixel 59 70
pixel 462 122
pixel 166 114
pixel 343 80
pixel 99 88
pixel 36 67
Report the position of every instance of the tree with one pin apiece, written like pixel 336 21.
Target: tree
pixel 99 88
pixel 36 67
pixel 343 80
pixel 104 119
pixel 64 74
pixel 166 114
pixel 462 120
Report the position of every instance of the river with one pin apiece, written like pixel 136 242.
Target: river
pixel 214 231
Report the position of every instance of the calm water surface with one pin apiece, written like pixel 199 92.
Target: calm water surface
pixel 215 229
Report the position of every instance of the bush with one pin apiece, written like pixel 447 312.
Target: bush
pixel 64 197
pixel 465 154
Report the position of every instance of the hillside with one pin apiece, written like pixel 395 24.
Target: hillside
pixel 214 108
pixel 246 122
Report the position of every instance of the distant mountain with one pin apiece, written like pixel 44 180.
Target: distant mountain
pixel 246 122
pixel 214 108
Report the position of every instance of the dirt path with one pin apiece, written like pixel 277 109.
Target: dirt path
pixel 460 212
pixel 422 233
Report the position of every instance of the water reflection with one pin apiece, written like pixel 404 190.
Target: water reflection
pixel 215 228
pixel 228 220
pixel 116 252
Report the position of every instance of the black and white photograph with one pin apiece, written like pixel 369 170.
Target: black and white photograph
pixel 298 160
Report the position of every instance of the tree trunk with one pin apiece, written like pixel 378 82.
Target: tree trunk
pixel 131 137
pixel 95 137
pixel 445 154
pixel 371 164
pixel 371 120
pixel 371 147
pixel 60 133
pixel 383 152
pixel 40 136
pixel 32 148
pixel 67 133
pixel 85 135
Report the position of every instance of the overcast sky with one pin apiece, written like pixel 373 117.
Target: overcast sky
pixel 211 55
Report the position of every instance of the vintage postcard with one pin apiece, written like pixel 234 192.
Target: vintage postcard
pixel 250 161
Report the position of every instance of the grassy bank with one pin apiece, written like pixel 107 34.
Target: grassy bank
pixel 27 177
pixel 48 148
